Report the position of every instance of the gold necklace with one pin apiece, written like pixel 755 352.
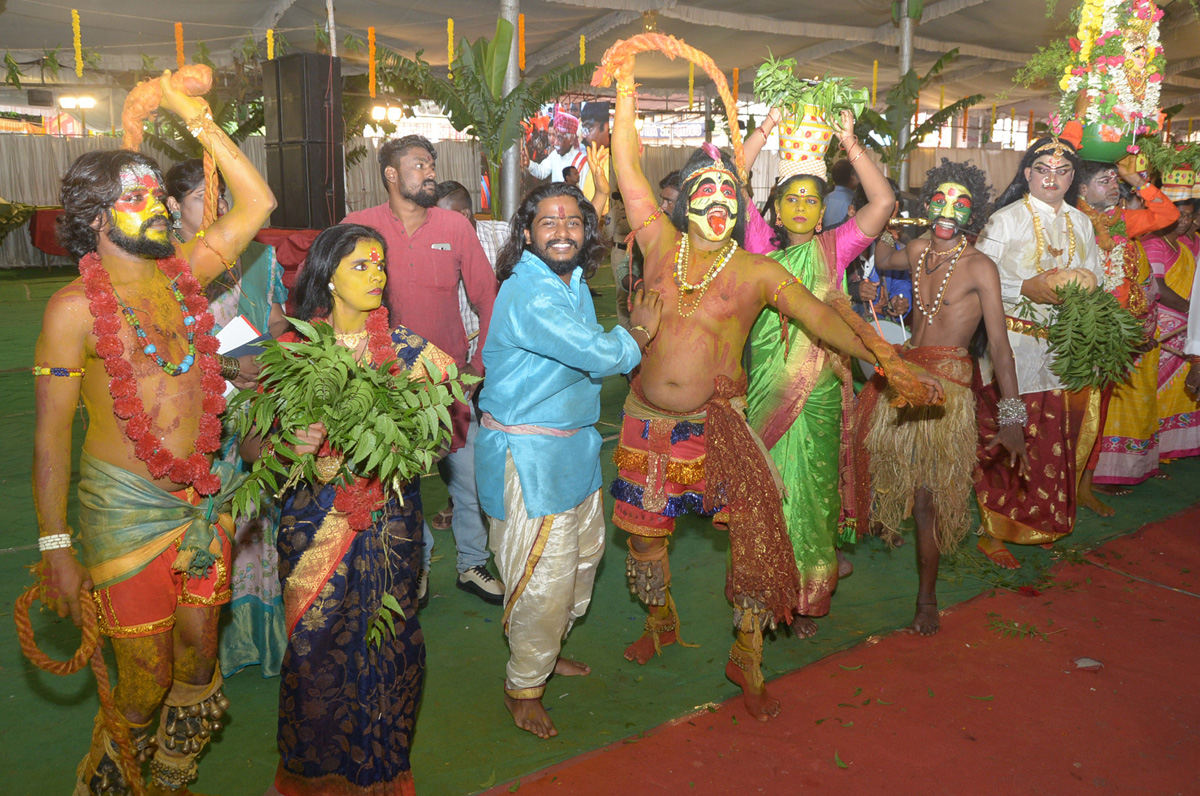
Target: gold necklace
pixel 683 260
pixel 351 341
pixel 1039 235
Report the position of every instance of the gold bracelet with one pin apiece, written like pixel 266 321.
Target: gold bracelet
pixel 329 467
pixel 228 265
pixel 627 89
pixel 861 150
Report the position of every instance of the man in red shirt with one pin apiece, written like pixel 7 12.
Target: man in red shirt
pixel 431 250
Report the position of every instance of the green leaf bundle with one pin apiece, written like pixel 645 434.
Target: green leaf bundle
pixel 1092 338
pixel 385 426
pixel 776 84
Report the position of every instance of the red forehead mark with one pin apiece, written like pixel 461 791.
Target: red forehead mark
pixel 375 255
pixel 562 211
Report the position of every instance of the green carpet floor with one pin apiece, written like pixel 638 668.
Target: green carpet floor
pixel 465 740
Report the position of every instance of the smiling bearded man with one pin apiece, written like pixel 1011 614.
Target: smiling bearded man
pixel 539 452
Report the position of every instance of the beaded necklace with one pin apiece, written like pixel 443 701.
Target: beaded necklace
pixel 149 349
pixel 937 302
pixel 1039 235
pixel 683 260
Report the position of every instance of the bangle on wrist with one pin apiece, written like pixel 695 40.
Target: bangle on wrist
pixel 1011 412
pixel 230 367
pixel 642 329
pixel 54 541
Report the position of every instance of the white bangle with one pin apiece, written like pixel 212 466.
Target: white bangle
pixel 54 541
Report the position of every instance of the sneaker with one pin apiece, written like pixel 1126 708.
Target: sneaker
pixel 478 581
pixel 423 589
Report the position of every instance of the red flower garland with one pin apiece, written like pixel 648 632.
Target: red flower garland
pixel 148 446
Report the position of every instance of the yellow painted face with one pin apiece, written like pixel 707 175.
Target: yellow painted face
pixel 139 210
pixel 713 204
pixel 360 278
pixel 800 207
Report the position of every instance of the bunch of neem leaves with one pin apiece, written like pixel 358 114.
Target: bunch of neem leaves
pixel 776 84
pixel 1092 338
pixel 386 426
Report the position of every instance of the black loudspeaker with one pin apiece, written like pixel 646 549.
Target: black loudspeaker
pixel 302 99
pixel 302 105
pixel 309 183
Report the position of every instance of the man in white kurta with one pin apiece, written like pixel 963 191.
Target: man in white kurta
pixel 1038 232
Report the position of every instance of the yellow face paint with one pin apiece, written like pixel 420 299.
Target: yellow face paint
pixel 800 206
pixel 360 278
pixel 140 204
pixel 713 204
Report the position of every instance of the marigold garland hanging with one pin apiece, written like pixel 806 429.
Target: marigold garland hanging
pixel 179 58
pixel 270 44
pixel 450 49
pixel 78 43
pixel 582 51
pixel 734 87
pixel 371 61
pixel 521 41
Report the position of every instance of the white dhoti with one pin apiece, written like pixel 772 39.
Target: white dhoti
pixel 548 565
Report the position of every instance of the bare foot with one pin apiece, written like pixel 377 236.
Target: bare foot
pixel 759 703
pixel 997 553
pixel 529 715
pixel 1087 499
pixel 925 621
pixel 804 627
pixel 1114 490
pixel 845 566
pixel 569 668
pixel 643 650
pixel 1162 476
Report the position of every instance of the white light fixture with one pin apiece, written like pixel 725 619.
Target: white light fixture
pixel 394 114
pixel 87 103
pixel 379 113
pixel 69 103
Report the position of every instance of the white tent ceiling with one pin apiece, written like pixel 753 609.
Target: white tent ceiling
pixel 994 37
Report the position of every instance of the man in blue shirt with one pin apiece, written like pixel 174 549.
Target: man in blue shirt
pixel 538 453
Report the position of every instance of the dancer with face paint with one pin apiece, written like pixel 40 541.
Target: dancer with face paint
pixel 685 445
pixel 1126 452
pixel 132 339
pixel 1034 236
pixel 921 460
pixel 797 387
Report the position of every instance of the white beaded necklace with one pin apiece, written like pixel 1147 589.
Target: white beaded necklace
pixel 937 303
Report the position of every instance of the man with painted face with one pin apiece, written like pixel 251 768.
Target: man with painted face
pixel 1126 452
pixel 132 338
pixel 1038 239
pixel 921 460
pixel 685 445
pixel 539 453
pixel 430 252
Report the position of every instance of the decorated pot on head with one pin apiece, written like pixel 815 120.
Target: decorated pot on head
pixel 803 141
pixel 1178 183
pixel 1196 182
